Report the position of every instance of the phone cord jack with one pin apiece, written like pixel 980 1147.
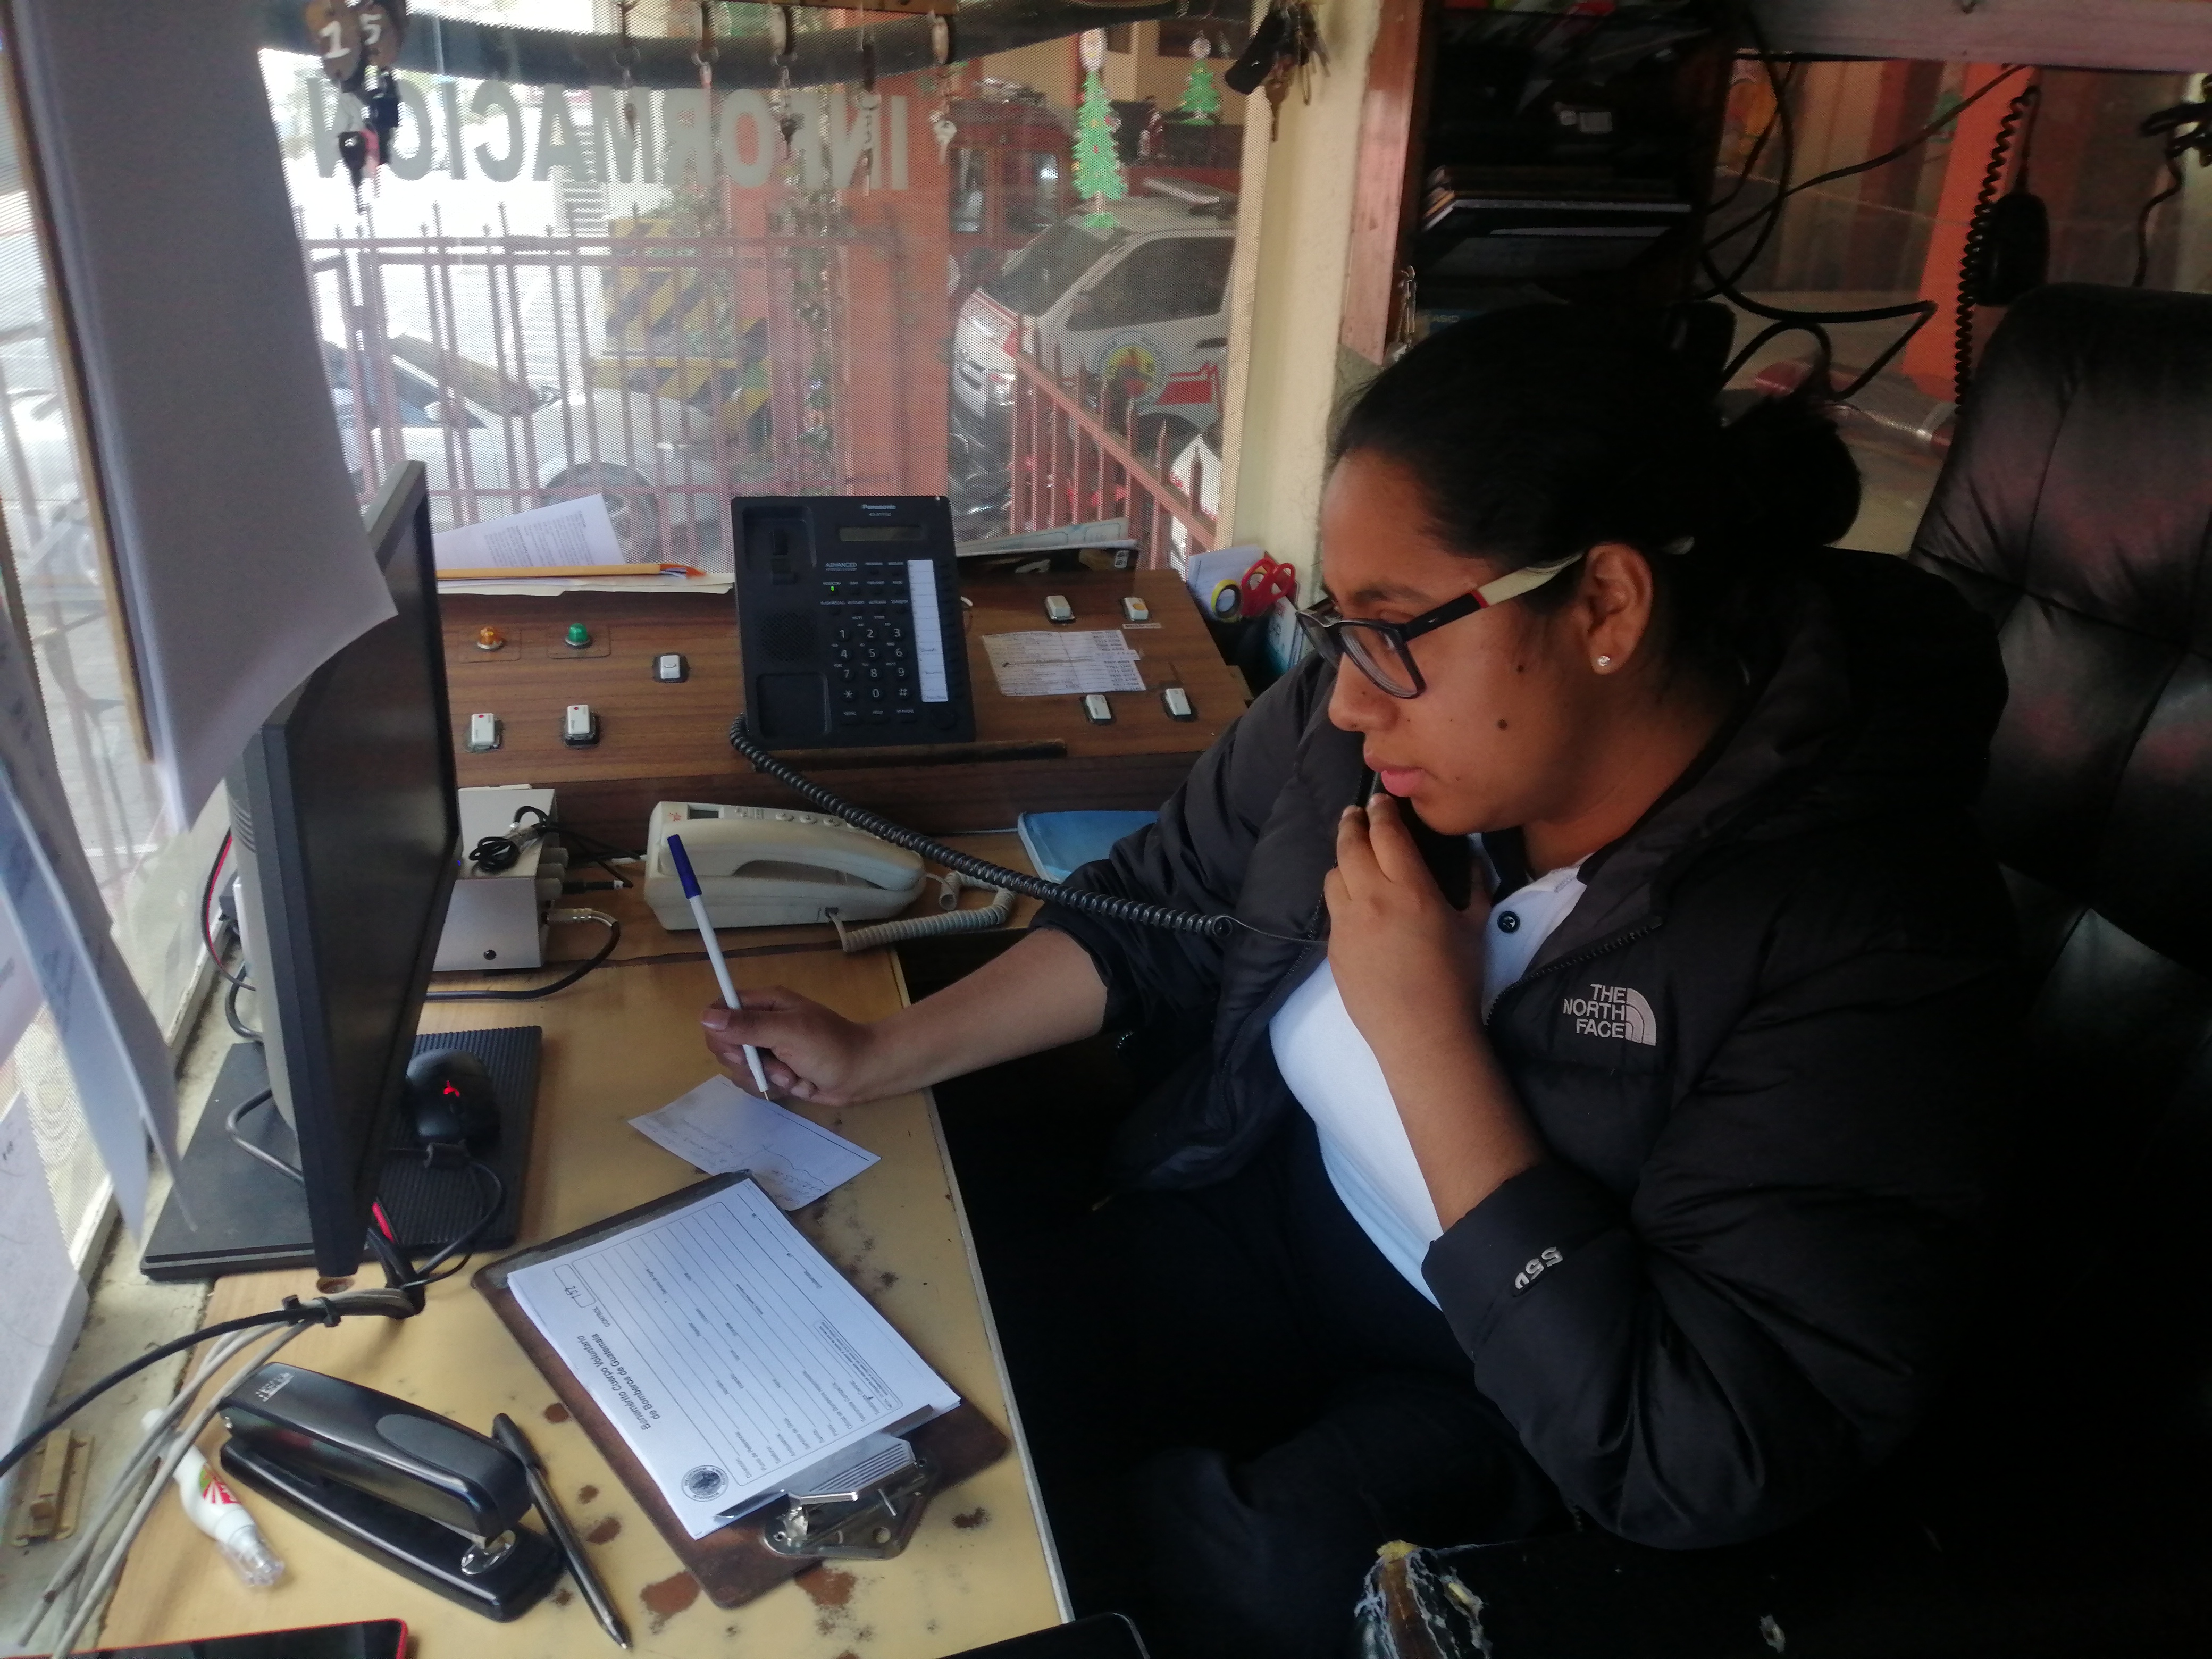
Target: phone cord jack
pixel 1136 912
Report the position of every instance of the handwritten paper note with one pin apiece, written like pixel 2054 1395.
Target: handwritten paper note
pixel 722 1129
pixel 115 1050
pixel 1063 662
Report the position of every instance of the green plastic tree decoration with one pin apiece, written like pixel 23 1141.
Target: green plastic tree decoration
pixel 1098 173
pixel 1201 99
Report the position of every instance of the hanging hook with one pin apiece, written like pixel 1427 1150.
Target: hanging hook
pixel 706 51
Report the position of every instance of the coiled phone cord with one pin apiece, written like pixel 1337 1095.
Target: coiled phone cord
pixel 1133 911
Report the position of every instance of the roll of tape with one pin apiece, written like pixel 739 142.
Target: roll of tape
pixel 1226 602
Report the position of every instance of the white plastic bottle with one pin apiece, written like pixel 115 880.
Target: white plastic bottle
pixel 218 1514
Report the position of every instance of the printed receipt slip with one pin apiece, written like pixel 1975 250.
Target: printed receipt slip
pixel 730 1356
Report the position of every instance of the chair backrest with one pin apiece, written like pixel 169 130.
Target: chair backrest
pixel 2075 513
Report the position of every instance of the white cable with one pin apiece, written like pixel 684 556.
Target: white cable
pixel 994 914
pixel 111 1567
pixel 134 1469
pixel 151 1447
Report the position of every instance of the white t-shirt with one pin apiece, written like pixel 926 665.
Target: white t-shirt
pixel 1336 1077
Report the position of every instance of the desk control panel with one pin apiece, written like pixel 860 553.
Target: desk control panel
pixel 667 738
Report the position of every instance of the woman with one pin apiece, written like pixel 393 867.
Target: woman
pixel 1649 1180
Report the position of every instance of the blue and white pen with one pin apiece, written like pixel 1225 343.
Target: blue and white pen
pixel 682 861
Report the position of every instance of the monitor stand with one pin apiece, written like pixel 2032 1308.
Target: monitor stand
pixel 251 1218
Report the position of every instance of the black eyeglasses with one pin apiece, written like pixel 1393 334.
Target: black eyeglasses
pixel 1379 649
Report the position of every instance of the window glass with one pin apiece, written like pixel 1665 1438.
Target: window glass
pixel 1034 200
pixel 1051 265
pixel 668 296
pixel 149 869
pixel 1164 282
pixel 970 168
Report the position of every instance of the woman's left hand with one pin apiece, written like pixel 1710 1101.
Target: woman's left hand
pixel 1407 964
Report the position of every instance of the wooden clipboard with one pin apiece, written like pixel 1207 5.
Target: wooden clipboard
pixel 731 1565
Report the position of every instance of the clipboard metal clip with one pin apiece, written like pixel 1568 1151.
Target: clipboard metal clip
pixel 870 1521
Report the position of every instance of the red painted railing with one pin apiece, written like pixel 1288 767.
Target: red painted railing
pixel 1079 456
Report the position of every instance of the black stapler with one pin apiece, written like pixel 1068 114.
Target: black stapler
pixel 434 1502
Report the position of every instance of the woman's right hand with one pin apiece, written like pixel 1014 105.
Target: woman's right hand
pixel 808 1051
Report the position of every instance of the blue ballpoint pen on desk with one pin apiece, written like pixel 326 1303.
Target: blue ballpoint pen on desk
pixel 682 861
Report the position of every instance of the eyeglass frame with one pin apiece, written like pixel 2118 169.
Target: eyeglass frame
pixel 1321 631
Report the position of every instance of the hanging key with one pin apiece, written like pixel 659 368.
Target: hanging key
pixel 354 152
pixel 384 107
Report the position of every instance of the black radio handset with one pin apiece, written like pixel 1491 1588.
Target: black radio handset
pixel 2008 238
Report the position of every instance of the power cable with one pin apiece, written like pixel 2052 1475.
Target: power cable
pixel 207 926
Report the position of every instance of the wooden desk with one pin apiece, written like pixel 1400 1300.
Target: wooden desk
pixel 671 742
pixel 622 1042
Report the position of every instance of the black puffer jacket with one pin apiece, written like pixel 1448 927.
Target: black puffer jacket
pixel 1767 1051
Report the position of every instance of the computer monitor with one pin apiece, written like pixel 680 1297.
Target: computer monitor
pixel 347 828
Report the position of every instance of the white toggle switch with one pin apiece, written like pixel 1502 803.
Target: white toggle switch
pixel 483 733
pixel 1135 609
pixel 1100 711
pixel 580 726
pixel 670 668
pixel 1178 703
pixel 1057 609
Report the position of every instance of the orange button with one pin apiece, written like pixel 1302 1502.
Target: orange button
pixel 489 639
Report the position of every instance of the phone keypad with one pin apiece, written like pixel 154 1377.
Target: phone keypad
pixel 872 676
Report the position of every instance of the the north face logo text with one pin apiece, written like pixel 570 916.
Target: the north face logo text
pixel 1612 1011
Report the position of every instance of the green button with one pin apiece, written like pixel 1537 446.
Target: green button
pixel 578 636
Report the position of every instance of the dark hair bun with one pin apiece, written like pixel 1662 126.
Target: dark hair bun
pixel 1793 479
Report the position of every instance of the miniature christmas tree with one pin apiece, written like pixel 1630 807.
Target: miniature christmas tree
pixel 1201 99
pixel 1098 173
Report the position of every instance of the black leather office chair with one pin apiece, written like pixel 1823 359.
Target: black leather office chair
pixel 2062 1506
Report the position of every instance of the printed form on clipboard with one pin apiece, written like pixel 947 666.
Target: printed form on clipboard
pixel 737 1362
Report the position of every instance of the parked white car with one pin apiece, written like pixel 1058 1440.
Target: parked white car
pixel 1142 303
pixel 507 448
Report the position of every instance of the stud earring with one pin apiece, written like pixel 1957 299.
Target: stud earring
pixel 1604 663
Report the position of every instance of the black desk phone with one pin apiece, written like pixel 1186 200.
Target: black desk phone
pixel 850 621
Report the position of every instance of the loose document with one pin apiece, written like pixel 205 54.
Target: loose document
pixel 1042 664
pixel 736 1362
pixel 565 533
pixel 722 1129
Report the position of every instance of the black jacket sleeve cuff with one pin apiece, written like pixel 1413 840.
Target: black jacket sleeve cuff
pixel 1501 1249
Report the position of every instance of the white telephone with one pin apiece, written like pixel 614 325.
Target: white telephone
pixel 762 867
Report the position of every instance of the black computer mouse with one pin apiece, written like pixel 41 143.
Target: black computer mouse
pixel 451 1097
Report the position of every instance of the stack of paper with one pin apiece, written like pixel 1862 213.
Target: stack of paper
pixel 735 1361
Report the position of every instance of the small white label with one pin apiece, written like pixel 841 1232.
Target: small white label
pixel 928 632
